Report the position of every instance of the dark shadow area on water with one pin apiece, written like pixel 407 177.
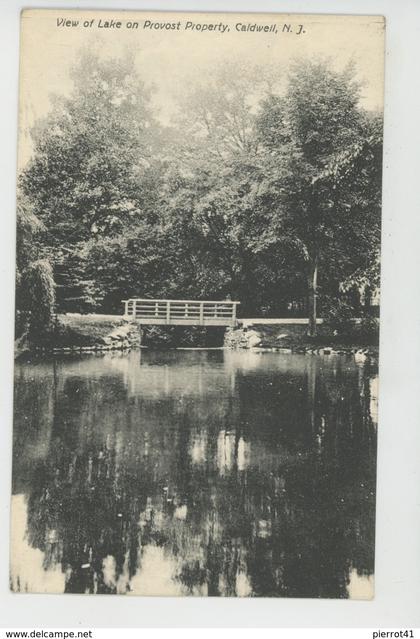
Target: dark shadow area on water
pixel 161 337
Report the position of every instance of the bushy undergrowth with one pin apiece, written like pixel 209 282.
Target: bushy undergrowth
pixel 341 323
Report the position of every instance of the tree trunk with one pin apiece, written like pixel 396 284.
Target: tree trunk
pixel 312 294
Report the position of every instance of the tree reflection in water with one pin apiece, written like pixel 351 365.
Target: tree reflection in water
pixel 203 473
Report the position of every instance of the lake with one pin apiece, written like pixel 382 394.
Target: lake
pixel 212 473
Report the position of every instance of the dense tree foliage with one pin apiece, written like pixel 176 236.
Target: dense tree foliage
pixel 269 196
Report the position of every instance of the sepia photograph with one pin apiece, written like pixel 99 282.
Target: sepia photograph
pixel 197 304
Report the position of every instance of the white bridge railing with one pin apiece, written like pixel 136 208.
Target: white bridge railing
pixel 183 312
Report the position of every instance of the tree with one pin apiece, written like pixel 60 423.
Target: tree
pixel 216 187
pixel 230 238
pixel 322 153
pixel 39 283
pixel 92 152
pixel 92 172
pixel 28 227
pixel 218 112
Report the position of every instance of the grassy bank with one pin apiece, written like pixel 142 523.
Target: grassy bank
pixel 73 331
pixel 85 330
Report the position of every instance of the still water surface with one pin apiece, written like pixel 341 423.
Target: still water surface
pixel 215 473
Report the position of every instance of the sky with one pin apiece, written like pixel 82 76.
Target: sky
pixel 174 59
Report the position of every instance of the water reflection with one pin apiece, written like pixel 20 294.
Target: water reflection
pixel 195 473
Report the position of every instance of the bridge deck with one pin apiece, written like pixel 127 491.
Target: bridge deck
pixel 181 312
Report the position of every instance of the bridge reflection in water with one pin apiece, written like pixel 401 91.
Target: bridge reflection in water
pixel 203 473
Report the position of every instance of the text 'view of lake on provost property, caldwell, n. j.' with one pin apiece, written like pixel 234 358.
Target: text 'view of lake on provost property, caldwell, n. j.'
pixel 187 25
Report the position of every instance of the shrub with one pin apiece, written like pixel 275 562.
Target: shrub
pixel 367 330
pixel 339 321
pixel 40 294
pixel 338 317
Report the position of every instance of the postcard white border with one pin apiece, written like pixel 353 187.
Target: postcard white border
pixel 397 578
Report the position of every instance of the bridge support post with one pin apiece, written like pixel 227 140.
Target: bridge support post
pixel 234 314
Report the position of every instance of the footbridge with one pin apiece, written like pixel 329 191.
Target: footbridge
pixel 181 312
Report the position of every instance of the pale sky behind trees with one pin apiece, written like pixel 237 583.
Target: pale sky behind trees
pixel 174 61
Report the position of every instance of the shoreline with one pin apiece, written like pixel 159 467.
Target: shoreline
pixel 362 352
pixel 87 334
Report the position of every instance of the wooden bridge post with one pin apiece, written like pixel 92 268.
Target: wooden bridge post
pixel 168 312
pixel 201 312
pixel 234 313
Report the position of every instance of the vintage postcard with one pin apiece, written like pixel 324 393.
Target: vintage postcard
pixel 197 304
